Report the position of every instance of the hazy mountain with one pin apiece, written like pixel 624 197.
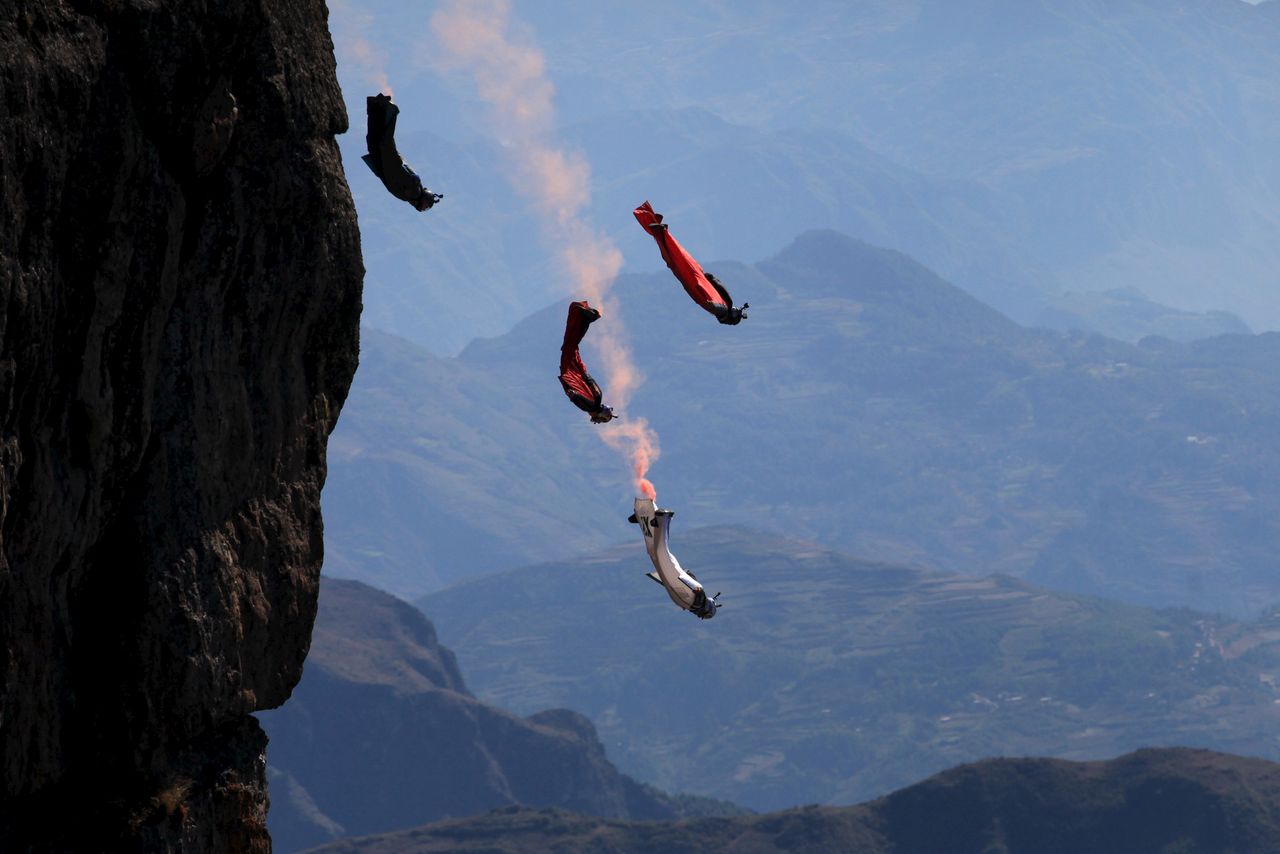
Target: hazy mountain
pixel 480 261
pixel 446 470
pixel 445 276
pixel 830 679
pixel 1137 137
pixel 1152 800
pixel 1127 314
pixel 382 734
pixel 866 405
pixel 1020 147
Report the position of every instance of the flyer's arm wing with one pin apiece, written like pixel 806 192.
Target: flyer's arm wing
pixel 583 391
pixel 683 265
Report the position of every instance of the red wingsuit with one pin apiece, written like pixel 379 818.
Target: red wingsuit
pixel 582 389
pixel 705 289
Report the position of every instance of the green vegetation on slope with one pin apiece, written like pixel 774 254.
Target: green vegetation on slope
pixel 829 679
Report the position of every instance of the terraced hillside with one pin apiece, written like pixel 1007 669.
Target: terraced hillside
pixel 827 679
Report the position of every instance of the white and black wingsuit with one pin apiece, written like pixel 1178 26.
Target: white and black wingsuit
pixel 683 587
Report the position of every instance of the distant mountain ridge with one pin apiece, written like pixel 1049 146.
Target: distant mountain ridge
pixel 476 267
pixel 1117 313
pixel 1153 800
pixel 1019 148
pixel 1131 141
pixel 866 404
pixel 479 263
pixel 382 734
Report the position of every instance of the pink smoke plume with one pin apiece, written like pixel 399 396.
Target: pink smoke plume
pixel 636 438
pixel 479 37
pixel 353 49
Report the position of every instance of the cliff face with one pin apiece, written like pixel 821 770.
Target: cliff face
pixel 179 298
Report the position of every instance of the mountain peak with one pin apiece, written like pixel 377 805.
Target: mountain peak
pixel 900 292
pixel 396 646
pixel 381 734
pixel 1171 799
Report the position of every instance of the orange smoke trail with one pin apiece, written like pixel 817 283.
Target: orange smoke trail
pixel 636 438
pixel 474 36
pixel 354 50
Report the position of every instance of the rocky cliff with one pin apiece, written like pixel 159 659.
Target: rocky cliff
pixel 179 298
